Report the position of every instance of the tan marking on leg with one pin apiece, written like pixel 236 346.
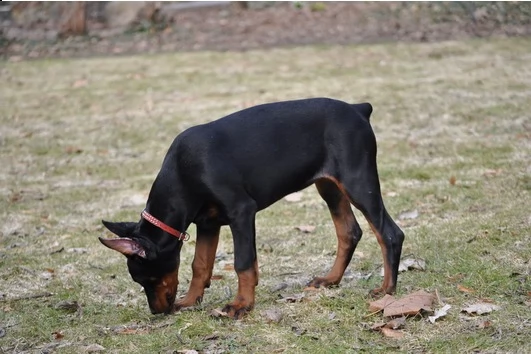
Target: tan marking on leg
pixel 387 285
pixel 344 222
pixel 244 300
pixel 202 265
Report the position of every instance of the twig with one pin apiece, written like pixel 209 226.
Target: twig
pixel 27 297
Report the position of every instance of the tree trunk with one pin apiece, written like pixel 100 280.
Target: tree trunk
pixel 74 19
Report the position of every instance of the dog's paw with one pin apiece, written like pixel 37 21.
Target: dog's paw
pixel 236 311
pixel 187 301
pixel 319 282
pixel 379 292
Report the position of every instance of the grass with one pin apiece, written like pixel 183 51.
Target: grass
pixel 83 139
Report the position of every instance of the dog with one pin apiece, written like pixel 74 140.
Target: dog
pixel 224 172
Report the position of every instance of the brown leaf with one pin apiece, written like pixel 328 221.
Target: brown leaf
pixel 58 335
pixel 228 266
pixel 80 83
pixel 391 333
pixel 133 331
pixel 464 289
pixel 408 305
pixel 452 180
pixel 379 305
pixel 73 150
pixel 484 324
pixel 411 304
pixel 216 277
pixel 456 277
pixel 306 228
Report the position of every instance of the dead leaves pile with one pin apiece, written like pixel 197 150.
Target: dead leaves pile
pixel 419 303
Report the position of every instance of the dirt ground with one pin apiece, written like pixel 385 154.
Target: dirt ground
pixel 230 27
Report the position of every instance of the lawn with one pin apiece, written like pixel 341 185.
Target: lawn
pixel 82 140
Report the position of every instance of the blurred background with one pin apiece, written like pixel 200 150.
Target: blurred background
pixel 64 29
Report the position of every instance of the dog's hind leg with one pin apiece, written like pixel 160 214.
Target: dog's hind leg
pixel 202 265
pixel 347 230
pixel 364 192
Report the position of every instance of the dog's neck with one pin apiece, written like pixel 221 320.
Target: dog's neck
pixel 162 205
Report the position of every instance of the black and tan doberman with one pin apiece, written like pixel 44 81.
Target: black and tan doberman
pixel 225 171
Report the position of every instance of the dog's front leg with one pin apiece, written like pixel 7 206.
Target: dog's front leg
pixel 245 261
pixel 205 254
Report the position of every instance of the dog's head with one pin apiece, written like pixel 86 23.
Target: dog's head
pixel 156 270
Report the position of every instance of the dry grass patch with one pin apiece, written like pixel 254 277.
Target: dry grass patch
pixel 82 140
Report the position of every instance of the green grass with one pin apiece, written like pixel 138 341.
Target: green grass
pixel 82 140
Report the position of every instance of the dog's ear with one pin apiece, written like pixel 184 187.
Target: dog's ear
pixel 125 246
pixel 365 109
pixel 122 229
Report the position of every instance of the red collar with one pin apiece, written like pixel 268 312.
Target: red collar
pixel 182 236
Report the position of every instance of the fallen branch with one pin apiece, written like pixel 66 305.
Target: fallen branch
pixel 27 297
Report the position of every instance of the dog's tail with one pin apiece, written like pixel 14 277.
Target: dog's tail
pixel 365 109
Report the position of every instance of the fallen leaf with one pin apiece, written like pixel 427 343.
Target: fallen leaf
pixel 443 311
pixel 272 315
pixel 228 266
pixel 492 172
pixel 464 289
pixel 480 308
pixel 92 348
pixel 291 298
pixel 80 83
pixel 379 305
pixel 391 333
pixel 73 150
pixel 306 228
pixel 413 263
pixel 58 335
pixel 410 304
pixel 396 323
pixel 452 180
pixel 413 214
pixel 278 287
pixel 218 313
pixel 391 194
pixel 377 326
pixel 298 331
pixel 67 305
pixel 77 250
pixel 294 197
pixel 133 331
pixel 212 336
pixel 484 324
pixel 456 277
pixel 216 277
